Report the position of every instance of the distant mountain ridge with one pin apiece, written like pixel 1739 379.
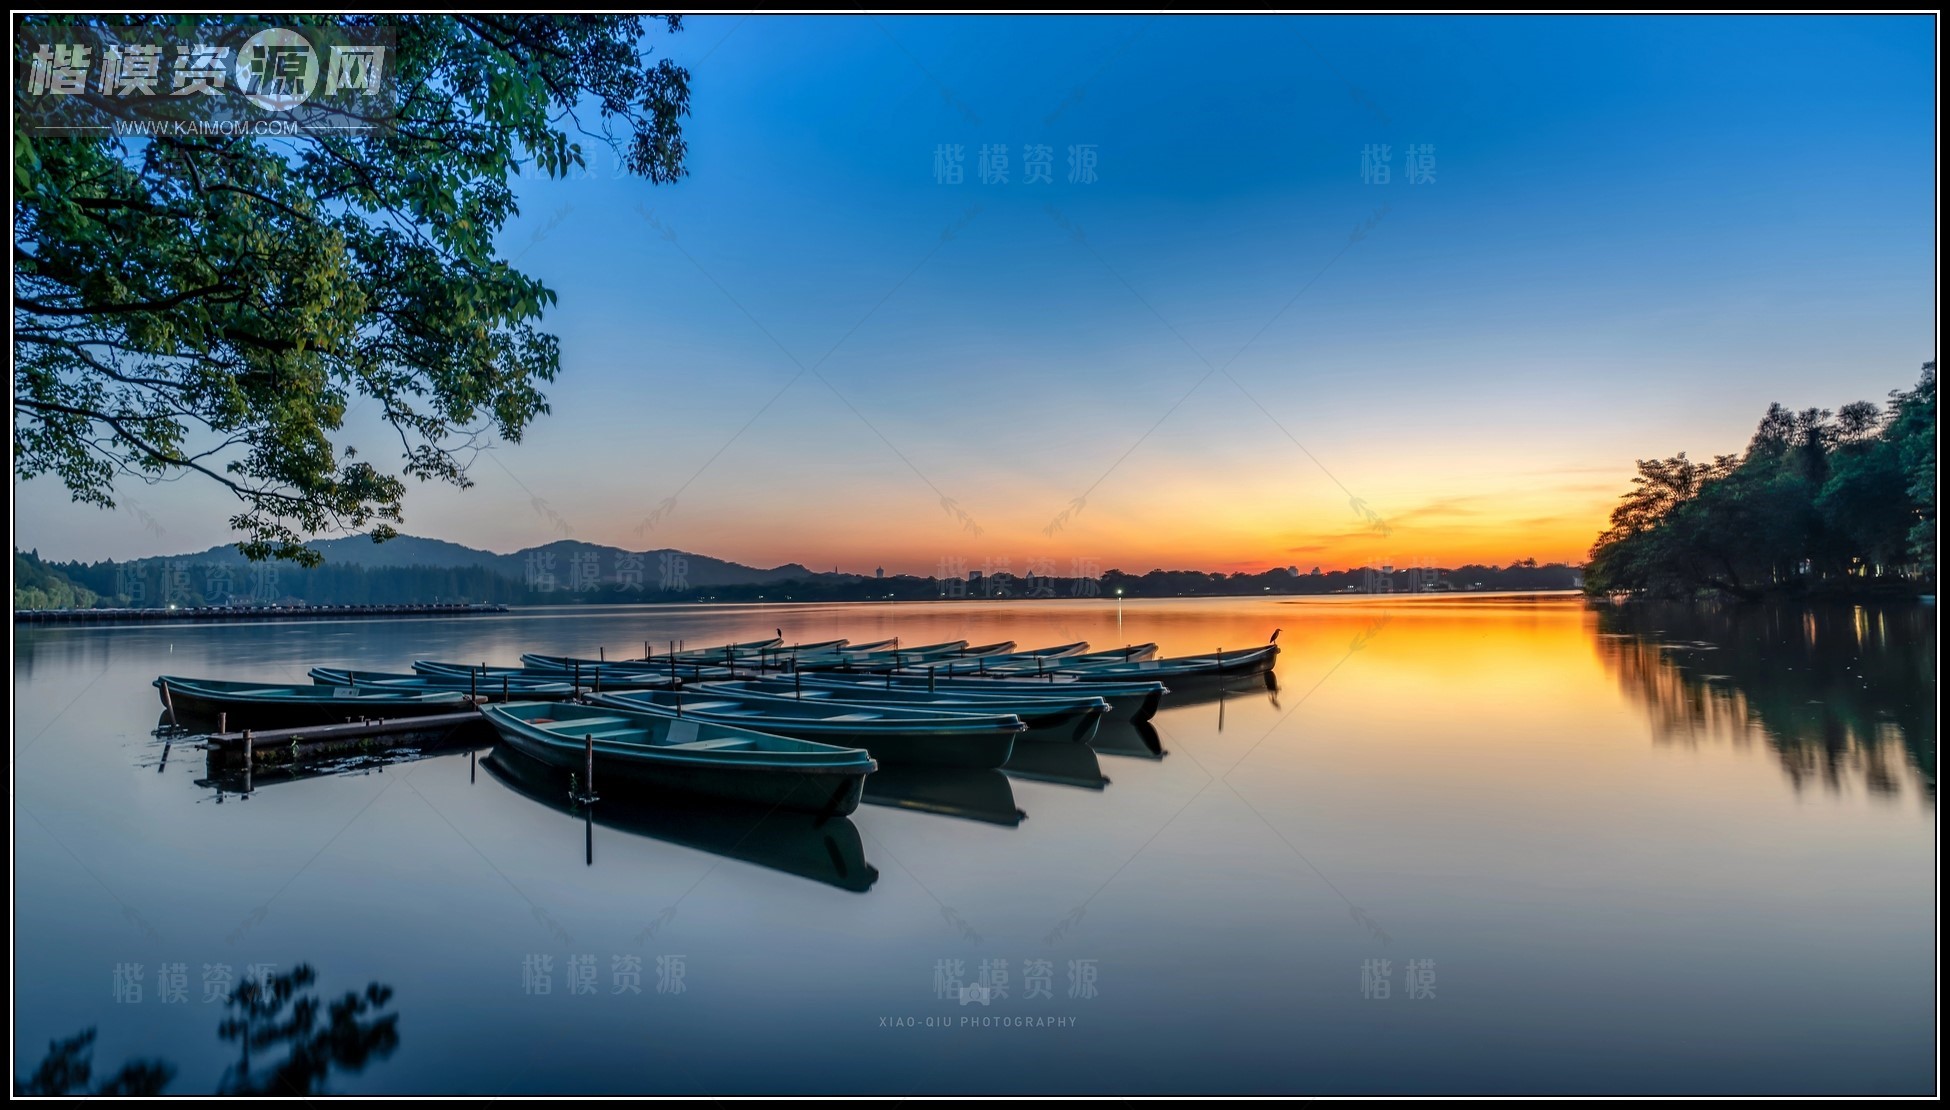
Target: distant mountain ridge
pixel 563 559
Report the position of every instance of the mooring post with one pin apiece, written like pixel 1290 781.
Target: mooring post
pixel 798 690
pixel 646 651
pixel 504 689
pixel 930 680
pixel 602 654
pixel 169 703
pixel 679 691
pixel 588 767
pixel 250 748
pixel 473 685
pixel 223 722
pixel 578 676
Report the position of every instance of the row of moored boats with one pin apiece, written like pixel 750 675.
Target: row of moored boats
pixel 795 726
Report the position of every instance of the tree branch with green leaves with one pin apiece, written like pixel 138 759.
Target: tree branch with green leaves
pixel 216 306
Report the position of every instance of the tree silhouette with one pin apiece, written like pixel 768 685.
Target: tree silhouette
pixel 1821 501
pixel 263 1016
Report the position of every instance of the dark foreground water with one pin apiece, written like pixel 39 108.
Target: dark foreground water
pixel 1468 845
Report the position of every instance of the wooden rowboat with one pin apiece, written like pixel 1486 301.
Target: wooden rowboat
pixel 274 705
pixel 498 688
pixel 1063 719
pixel 1129 701
pixel 609 677
pixel 1220 664
pixel 686 754
pixel 894 736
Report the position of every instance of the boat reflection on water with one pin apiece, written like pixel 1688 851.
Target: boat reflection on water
pixel 976 795
pixel 1135 739
pixel 826 850
pixel 1205 691
pixel 1064 764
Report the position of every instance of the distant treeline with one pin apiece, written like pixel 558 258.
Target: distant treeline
pixel 38 586
pixel 160 583
pixel 1821 502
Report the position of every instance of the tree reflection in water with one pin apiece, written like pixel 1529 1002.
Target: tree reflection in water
pixel 1842 694
pixel 263 1018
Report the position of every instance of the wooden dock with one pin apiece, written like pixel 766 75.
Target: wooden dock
pixel 291 745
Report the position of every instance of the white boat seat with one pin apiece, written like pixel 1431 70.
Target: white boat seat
pixel 855 717
pixel 712 745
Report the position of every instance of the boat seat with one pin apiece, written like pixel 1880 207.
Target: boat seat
pixel 711 745
pixel 589 723
pixel 616 732
pixel 856 717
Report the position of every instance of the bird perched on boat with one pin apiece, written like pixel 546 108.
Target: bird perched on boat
pixel 1274 636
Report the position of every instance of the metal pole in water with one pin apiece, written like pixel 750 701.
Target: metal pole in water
pixel 504 689
pixel 473 684
pixel 930 680
pixel 250 758
pixel 169 703
pixel 679 688
pixel 223 722
pixel 602 655
pixel 798 690
pixel 588 767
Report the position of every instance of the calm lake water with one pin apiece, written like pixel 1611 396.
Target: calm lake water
pixel 1600 850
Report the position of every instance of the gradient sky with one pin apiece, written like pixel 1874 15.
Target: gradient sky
pixel 1640 232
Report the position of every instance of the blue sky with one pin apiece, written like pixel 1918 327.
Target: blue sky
pixel 1639 232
